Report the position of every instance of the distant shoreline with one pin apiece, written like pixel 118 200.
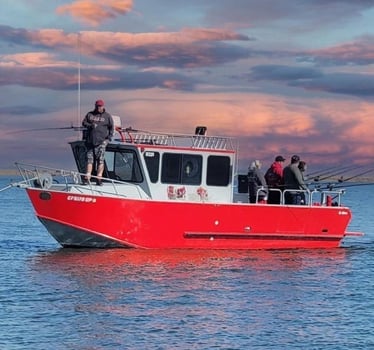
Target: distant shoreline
pixel 8 172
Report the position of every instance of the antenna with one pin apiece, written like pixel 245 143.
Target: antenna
pixel 79 80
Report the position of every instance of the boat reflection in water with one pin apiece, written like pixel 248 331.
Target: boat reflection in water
pixel 124 263
pixel 156 293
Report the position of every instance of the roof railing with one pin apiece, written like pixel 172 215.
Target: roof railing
pixel 175 140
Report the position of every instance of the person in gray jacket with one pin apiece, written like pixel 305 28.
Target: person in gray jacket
pixel 100 129
pixel 293 180
pixel 256 183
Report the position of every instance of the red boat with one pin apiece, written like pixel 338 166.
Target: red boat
pixel 173 191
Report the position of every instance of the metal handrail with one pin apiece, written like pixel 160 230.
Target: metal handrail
pixel 194 141
pixel 42 176
pixel 310 196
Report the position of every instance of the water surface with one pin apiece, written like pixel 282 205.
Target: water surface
pixel 54 298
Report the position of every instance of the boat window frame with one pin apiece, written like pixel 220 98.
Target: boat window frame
pixel 152 162
pixel 132 165
pixel 219 170
pixel 181 168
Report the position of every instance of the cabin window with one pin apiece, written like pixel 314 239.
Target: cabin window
pixel 171 168
pixel 218 171
pixel 183 169
pixel 152 161
pixel 123 166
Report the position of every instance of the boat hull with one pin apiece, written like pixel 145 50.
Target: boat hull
pixel 106 222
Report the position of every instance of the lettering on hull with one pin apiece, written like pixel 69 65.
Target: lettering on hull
pixel 81 199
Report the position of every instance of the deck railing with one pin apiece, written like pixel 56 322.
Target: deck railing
pixel 175 140
pixel 51 178
pixel 315 197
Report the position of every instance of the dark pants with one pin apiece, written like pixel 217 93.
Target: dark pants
pixel 294 198
pixel 274 197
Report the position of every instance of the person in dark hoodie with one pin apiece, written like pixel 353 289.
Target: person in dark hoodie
pixel 100 129
pixel 293 180
pixel 274 180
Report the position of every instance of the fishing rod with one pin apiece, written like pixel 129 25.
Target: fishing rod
pixel 335 173
pixel 354 184
pixel 72 127
pixel 341 180
pixel 329 171
pixel 6 188
pixel 357 175
pixel 131 129
pixel 325 171
pixel 333 186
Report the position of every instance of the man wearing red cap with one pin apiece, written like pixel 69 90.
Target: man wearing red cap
pixel 100 129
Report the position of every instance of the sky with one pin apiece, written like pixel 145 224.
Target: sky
pixel 283 77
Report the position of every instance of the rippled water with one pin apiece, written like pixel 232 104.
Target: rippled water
pixel 53 298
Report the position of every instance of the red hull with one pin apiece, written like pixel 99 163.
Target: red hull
pixel 98 221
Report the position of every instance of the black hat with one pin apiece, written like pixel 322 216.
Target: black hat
pixel 295 158
pixel 279 159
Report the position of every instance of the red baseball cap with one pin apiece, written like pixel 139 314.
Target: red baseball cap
pixel 99 103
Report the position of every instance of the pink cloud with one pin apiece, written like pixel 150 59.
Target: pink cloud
pixel 185 36
pixel 359 51
pixel 266 125
pixel 195 47
pixel 33 59
pixel 95 12
pixel 95 41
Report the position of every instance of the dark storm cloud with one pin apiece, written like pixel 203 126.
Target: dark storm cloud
pixel 183 56
pixel 66 79
pixel 359 85
pixel 22 110
pixel 291 13
pixel 287 73
pixel 14 35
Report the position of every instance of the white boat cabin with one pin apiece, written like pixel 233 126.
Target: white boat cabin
pixel 162 166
